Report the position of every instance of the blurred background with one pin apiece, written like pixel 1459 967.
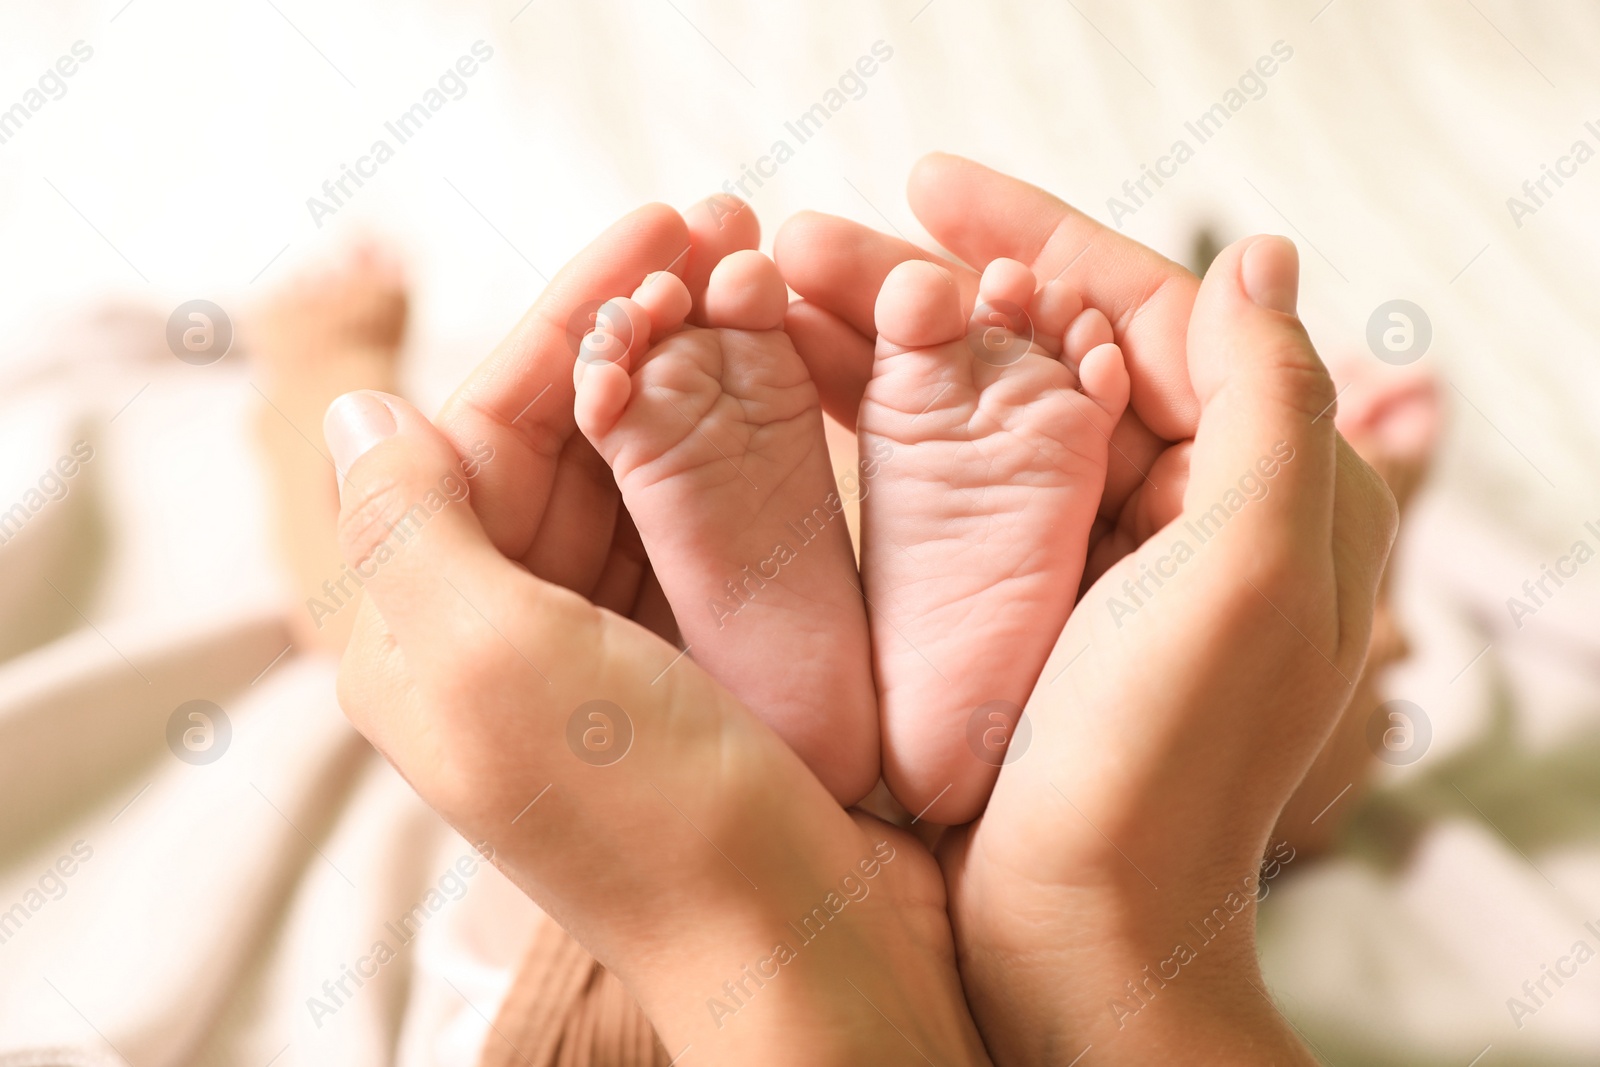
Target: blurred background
pixel 1441 154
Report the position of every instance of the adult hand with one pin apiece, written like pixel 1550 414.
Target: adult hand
pixel 753 918
pixel 1107 895
pixel 1122 853
pixel 547 499
pixel 837 267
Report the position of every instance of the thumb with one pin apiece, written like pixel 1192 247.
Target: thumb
pixel 1261 479
pixel 406 525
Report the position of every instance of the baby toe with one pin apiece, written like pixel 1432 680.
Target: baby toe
pixel 919 306
pixel 1000 319
pixel 718 226
pixel 621 331
pixel 666 300
pixel 601 375
pixel 1103 377
pixel 1006 281
pixel 1054 307
pixel 1086 332
pixel 746 292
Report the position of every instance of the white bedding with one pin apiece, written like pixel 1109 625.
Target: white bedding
pixel 178 163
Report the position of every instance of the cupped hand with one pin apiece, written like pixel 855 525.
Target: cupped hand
pixel 546 498
pixel 1148 750
pixel 1106 898
pixel 663 825
pixel 1189 693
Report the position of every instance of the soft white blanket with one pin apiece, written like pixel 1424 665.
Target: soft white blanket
pixel 239 880
pixel 207 905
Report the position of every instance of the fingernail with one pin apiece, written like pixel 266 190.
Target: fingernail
pixel 1270 271
pixel 354 423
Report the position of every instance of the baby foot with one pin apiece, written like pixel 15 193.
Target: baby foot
pixel 715 437
pixel 332 329
pixel 990 436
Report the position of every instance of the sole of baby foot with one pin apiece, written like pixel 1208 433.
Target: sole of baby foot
pixel 716 439
pixel 990 431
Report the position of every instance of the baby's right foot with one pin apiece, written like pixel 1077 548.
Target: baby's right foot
pixel 715 438
pixel 991 454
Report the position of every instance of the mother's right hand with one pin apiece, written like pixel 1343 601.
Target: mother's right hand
pixel 547 499
pixel 683 856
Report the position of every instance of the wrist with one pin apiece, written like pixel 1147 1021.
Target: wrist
pixel 1075 968
pixel 856 994
pixel 827 969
